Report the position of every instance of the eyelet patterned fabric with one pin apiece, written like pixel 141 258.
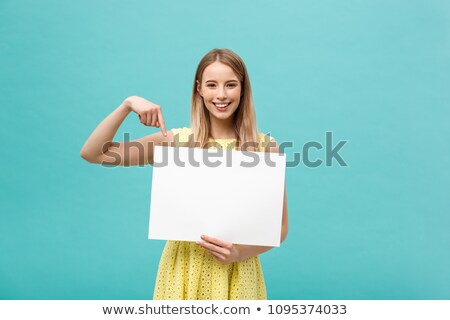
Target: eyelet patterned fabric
pixel 189 272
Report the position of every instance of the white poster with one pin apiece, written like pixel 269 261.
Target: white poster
pixel 234 196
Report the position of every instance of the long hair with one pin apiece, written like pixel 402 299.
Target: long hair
pixel 244 116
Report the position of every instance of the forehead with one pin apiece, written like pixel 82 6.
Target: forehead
pixel 219 72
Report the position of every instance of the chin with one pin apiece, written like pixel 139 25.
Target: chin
pixel 222 116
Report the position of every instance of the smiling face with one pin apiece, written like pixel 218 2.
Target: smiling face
pixel 221 90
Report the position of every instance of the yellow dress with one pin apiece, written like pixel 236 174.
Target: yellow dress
pixel 189 272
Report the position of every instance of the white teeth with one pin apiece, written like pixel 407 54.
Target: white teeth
pixel 221 105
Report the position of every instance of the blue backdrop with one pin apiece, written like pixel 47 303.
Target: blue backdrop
pixel 375 73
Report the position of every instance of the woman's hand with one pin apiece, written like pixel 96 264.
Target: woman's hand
pixel 150 114
pixel 223 251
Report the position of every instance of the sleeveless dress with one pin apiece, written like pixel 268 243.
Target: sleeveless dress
pixel 189 272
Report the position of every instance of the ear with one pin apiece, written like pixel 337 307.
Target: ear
pixel 199 88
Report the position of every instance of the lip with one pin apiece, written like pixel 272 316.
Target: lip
pixel 221 109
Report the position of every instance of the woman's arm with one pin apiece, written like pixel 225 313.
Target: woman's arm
pixel 99 147
pixel 227 252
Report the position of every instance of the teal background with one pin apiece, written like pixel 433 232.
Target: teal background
pixel 376 73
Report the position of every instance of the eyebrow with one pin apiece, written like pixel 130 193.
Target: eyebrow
pixel 225 81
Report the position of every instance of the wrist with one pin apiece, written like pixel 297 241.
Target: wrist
pixel 126 105
pixel 238 253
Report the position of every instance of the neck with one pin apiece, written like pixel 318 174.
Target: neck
pixel 222 129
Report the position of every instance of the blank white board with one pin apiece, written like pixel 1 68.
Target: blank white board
pixel 234 196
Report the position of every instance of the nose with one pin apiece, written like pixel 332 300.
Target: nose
pixel 222 94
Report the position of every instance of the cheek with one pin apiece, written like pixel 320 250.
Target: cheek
pixel 239 94
pixel 207 95
pixel 238 97
pixel 208 100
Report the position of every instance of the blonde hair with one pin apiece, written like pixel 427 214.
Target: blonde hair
pixel 244 116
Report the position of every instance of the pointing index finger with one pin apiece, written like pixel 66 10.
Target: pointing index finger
pixel 162 125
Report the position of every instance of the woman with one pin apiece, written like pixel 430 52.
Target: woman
pixel 222 111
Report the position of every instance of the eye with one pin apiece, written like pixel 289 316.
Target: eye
pixel 231 85
pixel 210 85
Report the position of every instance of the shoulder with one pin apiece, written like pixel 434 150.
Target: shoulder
pixel 181 134
pixel 267 143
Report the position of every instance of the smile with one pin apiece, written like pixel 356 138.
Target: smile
pixel 221 105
